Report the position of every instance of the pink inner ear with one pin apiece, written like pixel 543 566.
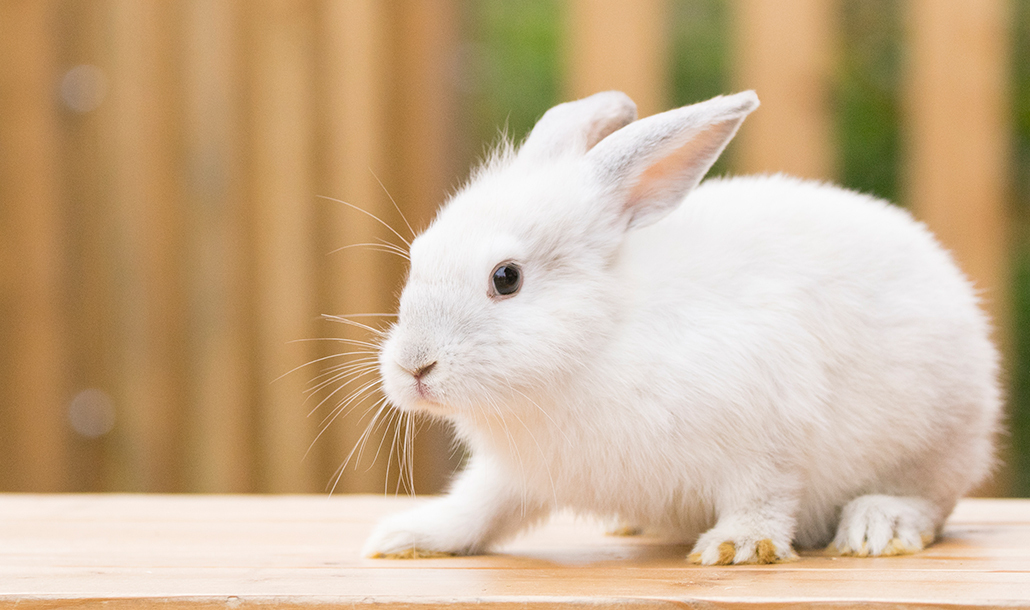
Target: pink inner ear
pixel 605 126
pixel 662 184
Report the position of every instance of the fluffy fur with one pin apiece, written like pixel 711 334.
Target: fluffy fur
pixel 747 364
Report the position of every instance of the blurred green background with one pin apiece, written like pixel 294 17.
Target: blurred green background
pixel 518 79
pixel 163 243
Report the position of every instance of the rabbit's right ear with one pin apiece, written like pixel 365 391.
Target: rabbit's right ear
pixel 651 165
pixel 575 127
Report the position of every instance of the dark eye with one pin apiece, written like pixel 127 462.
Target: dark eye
pixel 507 279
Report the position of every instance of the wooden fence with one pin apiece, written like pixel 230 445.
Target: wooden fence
pixel 163 245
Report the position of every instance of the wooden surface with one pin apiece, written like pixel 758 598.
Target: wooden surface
pixel 785 51
pixel 613 44
pixel 957 131
pixel 293 551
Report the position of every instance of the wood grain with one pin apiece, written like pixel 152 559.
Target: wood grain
pixel 33 350
pixel 293 551
pixel 957 128
pixel 424 54
pixel 354 43
pixel 219 432
pixel 615 44
pixel 957 173
pixel 283 203
pixel 141 121
pixel 785 51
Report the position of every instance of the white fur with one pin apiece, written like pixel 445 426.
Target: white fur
pixel 749 366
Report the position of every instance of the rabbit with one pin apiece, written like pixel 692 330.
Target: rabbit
pixel 747 365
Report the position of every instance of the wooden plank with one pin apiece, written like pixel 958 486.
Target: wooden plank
pixel 219 440
pixel 957 131
pixel 148 225
pixel 280 181
pixel 354 87
pixel 424 53
pixel 34 382
pixel 621 45
pixel 957 140
pixel 785 52
pixel 303 551
pixel 91 241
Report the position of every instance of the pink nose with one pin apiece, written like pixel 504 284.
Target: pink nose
pixel 423 371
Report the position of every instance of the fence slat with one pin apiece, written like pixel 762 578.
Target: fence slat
pixel 957 143
pixel 425 45
pixel 33 385
pixel 615 44
pixel 354 45
pixel 957 134
pixel 141 124
pixel 282 197
pixel 219 442
pixel 785 51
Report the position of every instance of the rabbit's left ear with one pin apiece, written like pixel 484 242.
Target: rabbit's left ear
pixel 653 163
pixel 575 127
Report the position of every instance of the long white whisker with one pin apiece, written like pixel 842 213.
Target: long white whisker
pixel 347 402
pixel 339 410
pixel 394 202
pixel 342 320
pixel 317 360
pixel 376 247
pixel 351 373
pixel 541 409
pixel 370 215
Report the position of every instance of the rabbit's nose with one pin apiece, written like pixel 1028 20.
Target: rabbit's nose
pixel 423 371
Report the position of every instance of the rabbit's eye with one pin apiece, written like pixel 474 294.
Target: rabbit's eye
pixel 507 279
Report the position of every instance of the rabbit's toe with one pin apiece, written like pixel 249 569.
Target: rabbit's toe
pixel 415 535
pixel 719 548
pixel 402 544
pixel 623 528
pixel 878 525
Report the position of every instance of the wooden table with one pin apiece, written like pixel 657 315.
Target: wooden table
pixel 302 552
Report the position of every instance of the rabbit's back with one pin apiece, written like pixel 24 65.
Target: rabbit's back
pixel 834 326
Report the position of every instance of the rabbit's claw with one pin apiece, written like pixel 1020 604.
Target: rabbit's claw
pixel 714 550
pixel 878 525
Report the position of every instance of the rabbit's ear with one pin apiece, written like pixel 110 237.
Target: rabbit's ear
pixel 653 163
pixel 575 127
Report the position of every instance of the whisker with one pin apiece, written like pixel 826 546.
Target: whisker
pixel 355 342
pixel 339 410
pixel 370 215
pixel 373 425
pixel 541 409
pixel 394 202
pixel 344 405
pixel 354 372
pixel 342 320
pixel 375 247
pixel 317 360
pixel 364 435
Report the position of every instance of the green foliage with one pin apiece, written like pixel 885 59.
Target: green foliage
pixel 868 98
pixel 512 63
pixel 1019 376
pixel 1019 368
pixel 512 70
pixel 699 66
pixel 700 51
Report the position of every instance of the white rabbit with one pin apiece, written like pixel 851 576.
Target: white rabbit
pixel 747 364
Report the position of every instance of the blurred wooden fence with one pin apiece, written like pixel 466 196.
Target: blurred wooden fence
pixel 163 246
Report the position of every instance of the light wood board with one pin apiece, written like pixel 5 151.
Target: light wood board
pixel 293 551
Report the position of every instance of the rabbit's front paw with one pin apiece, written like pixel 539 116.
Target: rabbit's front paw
pixel 415 535
pixel 878 525
pixel 722 546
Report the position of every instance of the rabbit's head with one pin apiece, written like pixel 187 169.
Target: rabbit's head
pixel 512 287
